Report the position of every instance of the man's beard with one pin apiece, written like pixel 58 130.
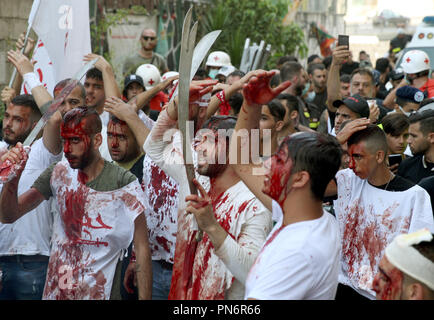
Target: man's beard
pixel 211 170
pixel 19 138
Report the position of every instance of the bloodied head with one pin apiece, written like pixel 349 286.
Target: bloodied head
pixel 121 141
pixel 20 117
pixel 317 154
pixel 415 283
pixel 81 134
pixel 367 150
pixel 212 145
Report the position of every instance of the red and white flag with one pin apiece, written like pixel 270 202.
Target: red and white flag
pixel 63 33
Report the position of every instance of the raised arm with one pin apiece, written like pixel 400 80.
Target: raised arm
pixel 257 92
pixel 13 207
pixel 16 86
pixel 111 88
pixel 143 98
pixel 228 91
pixel 389 101
pixel 340 54
pixel 25 69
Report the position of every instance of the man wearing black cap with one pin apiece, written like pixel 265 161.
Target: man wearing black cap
pixel 133 85
pixel 351 108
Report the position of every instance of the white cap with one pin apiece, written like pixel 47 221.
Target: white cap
pixel 150 75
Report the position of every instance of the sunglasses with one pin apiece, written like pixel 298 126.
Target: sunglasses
pixel 148 38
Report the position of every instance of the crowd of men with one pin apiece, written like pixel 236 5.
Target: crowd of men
pixel 311 181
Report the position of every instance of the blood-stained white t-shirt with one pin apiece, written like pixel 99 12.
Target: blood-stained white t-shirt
pixel 90 233
pixel 161 195
pixel 369 219
pixel 30 234
pixel 214 274
pixel 299 261
pixel 161 192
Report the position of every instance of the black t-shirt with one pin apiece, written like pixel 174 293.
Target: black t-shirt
pixel 414 169
pixel 428 184
pixel 320 101
pixel 397 184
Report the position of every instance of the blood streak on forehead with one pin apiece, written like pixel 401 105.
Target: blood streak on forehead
pixel 71 129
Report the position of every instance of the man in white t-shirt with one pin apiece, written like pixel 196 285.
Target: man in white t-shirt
pixel 300 258
pixel 373 207
pixel 25 244
pixel 100 210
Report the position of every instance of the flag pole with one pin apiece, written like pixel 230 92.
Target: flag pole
pixel 32 15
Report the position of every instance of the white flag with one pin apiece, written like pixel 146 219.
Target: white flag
pixel 63 33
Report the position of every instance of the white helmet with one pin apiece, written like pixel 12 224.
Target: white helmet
pixel 150 75
pixel 218 59
pixel 168 75
pixel 415 61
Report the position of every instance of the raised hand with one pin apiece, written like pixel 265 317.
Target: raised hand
pixel 257 90
pixel 20 61
pixel 201 207
pixel 119 108
pixel 356 125
pixel 100 64
pixel 340 55
pixel 29 46
pixel 7 95
pixel 200 88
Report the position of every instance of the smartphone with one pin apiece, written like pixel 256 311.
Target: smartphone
pixel 394 159
pixel 344 40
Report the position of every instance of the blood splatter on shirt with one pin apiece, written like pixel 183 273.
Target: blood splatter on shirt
pixel 369 219
pixel 90 232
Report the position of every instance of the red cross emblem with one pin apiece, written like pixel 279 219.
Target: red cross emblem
pixel 151 82
pixel 426 60
pixel 216 58
pixel 408 60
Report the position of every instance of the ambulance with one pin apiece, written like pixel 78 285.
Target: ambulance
pixel 423 39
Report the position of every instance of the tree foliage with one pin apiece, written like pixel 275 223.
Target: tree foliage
pixel 257 20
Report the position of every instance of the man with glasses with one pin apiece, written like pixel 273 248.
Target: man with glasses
pixel 146 55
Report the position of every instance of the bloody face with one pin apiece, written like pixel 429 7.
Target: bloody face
pixel 361 161
pixel 276 180
pixel 388 281
pixel 121 142
pixel 77 145
pixel 17 123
